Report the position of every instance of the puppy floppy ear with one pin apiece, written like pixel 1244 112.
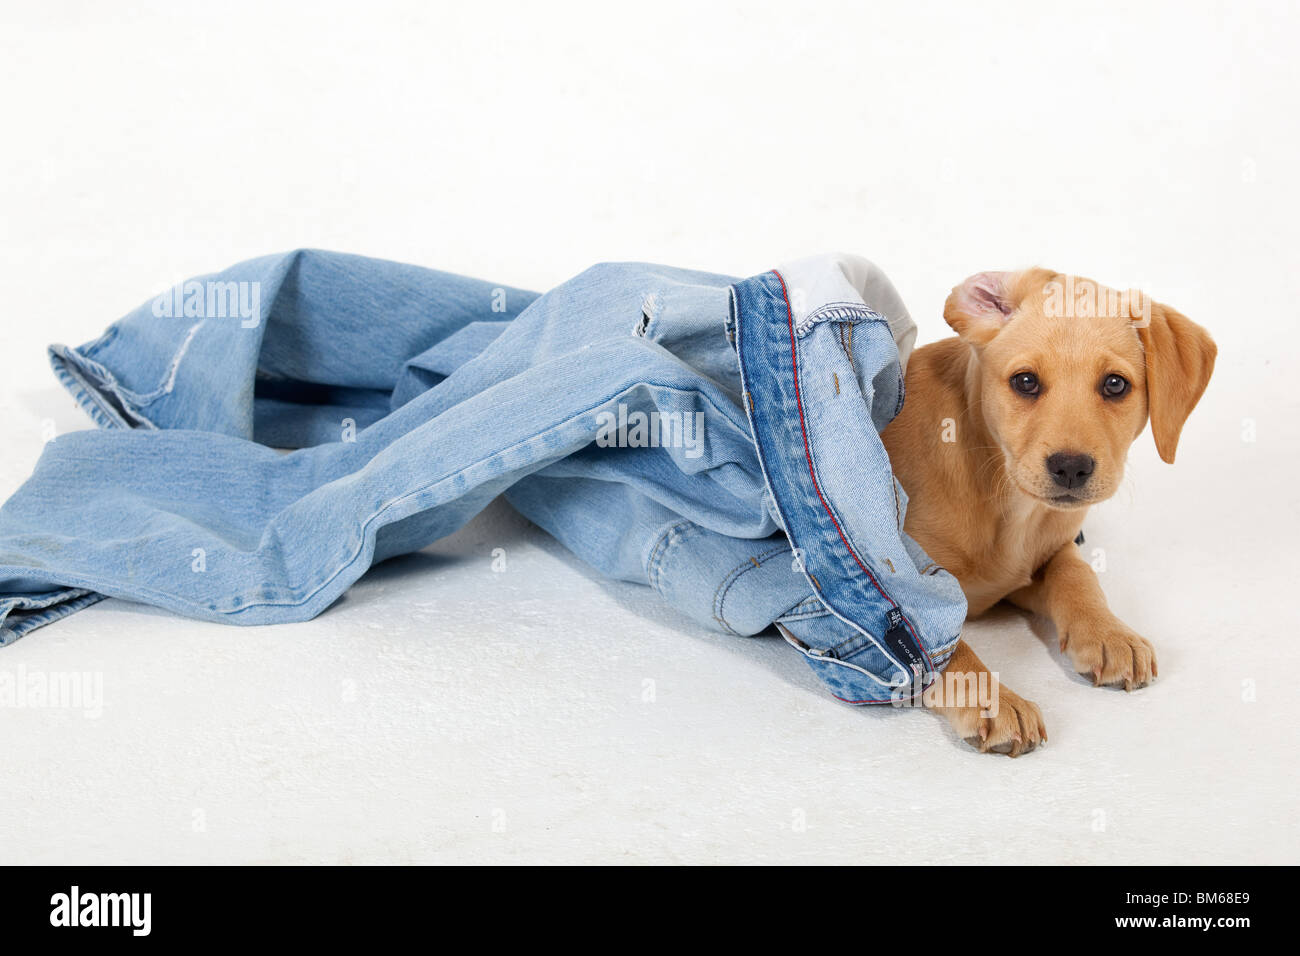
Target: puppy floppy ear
pixel 1180 357
pixel 979 307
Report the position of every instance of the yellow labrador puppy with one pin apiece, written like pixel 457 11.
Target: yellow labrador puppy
pixel 1009 432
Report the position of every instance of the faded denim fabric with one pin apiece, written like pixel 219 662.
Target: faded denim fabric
pixel 714 438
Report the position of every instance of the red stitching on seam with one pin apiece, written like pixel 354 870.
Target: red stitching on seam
pixel 798 401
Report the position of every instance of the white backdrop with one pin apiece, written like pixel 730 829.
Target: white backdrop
pixel 444 712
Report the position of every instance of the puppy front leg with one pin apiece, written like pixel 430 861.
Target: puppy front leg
pixel 1099 644
pixel 987 715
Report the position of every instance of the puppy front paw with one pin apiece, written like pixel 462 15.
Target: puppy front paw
pixel 1011 725
pixel 1110 652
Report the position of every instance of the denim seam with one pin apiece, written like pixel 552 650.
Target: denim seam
pixel 90 396
pixel 865 631
pixel 940 659
pixel 729 321
pixel 851 645
pixel 660 548
pixel 809 615
pixel 814 318
pixel 809 604
pixel 817 658
pixel 59 608
pixel 830 510
pixel 85 397
pixel 22 603
pixel 846 343
pixel 812 464
pixel 98 369
pixel 946 649
pixel 762 463
pixel 92 347
pixel 734 575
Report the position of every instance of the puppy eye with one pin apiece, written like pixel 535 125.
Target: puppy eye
pixel 1026 383
pixel 1114 386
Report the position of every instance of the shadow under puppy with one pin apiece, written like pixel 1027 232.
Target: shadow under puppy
pixel 1009 433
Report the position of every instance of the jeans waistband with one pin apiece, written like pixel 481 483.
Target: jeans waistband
pixel 820 380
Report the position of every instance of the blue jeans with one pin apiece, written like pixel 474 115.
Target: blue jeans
pixel 713 438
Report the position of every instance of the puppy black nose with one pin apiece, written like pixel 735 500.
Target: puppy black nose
pixel 1069 469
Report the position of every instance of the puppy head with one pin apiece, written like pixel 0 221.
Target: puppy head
pixel 1067 372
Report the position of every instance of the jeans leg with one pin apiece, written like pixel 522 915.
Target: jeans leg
pixel 290 349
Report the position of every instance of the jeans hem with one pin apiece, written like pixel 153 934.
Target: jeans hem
pixel 37 612
pixel 99 397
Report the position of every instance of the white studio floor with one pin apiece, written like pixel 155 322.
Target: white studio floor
pixel 447 712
